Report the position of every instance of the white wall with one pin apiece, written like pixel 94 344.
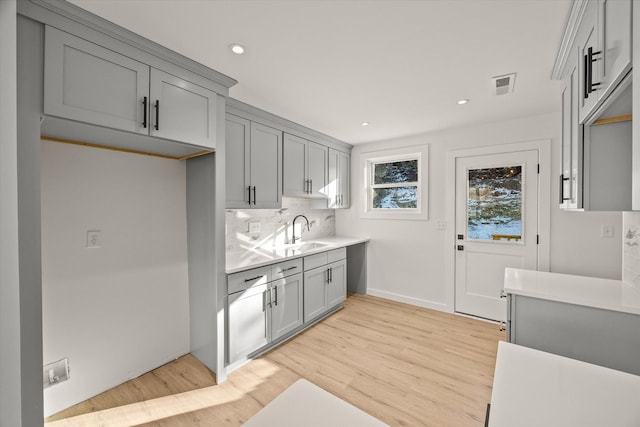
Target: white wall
pixel 120 310
pixel 406 259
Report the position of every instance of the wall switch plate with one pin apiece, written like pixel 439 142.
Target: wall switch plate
pixel 441 225
pixel 255 227
pixel 55 373
pixel 93 239
pixel 606 230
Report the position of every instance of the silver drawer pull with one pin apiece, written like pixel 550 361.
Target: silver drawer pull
pixel 253 278
pixel 290 268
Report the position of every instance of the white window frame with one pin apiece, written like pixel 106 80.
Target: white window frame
pixel 370 159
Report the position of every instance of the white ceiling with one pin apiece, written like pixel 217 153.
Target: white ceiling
pixel 400 65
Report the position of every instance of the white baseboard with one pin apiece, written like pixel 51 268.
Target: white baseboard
pixel 410 300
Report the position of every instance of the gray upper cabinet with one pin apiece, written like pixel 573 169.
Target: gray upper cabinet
pixel 338 186
pixel 305 168
pixel 603 41
pixel 571 175
pixel 87 83
pixel 588 46
pixel 181 111
pixel 615 41
pixel 596 171
pixel 254 165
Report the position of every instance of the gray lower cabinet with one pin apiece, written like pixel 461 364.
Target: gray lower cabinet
pixel 253 165
pixel 88 83
pixel 602 337
pixel 325 282
pixel 264 304
pixel 262 313
pixel 305 168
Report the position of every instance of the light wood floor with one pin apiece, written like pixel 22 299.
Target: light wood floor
pixel 405 365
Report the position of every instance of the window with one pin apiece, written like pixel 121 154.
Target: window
pixel 395 183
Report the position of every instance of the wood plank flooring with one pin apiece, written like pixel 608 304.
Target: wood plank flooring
pixel 405 365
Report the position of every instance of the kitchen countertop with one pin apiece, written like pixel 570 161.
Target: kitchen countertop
pixel 533 388
pixel 594 292
pixel 264 255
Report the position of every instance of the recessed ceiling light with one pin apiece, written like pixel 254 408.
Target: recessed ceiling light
pixel 365 123
pixel 238 49
pixel 463 101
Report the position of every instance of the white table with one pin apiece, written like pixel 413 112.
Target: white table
pixel 305 404
pixel 532 388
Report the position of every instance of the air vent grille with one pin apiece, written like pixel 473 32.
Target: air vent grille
pixel 503 85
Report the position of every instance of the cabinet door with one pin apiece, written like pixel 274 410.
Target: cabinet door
pixel 587 41
pixel 333 185
pixel 91 84
pixel 286 309
pixel 615 33
pixel 247 322
pixel 238 162
pixel 266 167
pixel 315 295
pixel 182 111
pixel 337 286
pixel 294 168
pixel 570 182
pixel 317 156
pixel 344 170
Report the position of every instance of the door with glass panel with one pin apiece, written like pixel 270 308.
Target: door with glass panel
pixel 496 227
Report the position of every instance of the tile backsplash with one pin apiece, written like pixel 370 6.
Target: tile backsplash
pixel 631 248
pixel 276 224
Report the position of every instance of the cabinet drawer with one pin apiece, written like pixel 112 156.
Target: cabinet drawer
pixel 245 279
pixel 286 269
pixel 336 255
pixel 315 261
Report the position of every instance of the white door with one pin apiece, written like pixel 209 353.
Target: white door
pixel 496 227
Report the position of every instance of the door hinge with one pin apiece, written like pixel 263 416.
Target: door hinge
pixel 538 168
pixel 537 239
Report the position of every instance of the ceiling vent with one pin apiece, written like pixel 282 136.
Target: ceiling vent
pixel 503 85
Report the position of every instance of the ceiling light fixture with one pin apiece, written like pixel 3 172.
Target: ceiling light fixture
pixel 463 101
pixel 365 123
pixel 238 49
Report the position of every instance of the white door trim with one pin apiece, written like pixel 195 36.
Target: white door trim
pixel 544 204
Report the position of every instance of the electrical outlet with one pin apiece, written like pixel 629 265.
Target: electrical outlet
pixel 606 230
pixel 93 239
pixel 441 225
pixel 255 227
pixel 55 373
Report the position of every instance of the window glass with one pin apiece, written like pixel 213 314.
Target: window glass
pixel 396 172
pixel 395 198
pixel 494 204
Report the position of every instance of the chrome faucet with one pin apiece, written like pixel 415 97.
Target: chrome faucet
pixel 293 237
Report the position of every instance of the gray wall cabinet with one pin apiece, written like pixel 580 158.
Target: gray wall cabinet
pixel 305 168
pixel 254 165
pixel 88 83
pixel 594 63
pixel 338 186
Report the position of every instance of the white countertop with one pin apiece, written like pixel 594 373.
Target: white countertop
pixel 259 256
pixel 607 294
pixel 532 388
